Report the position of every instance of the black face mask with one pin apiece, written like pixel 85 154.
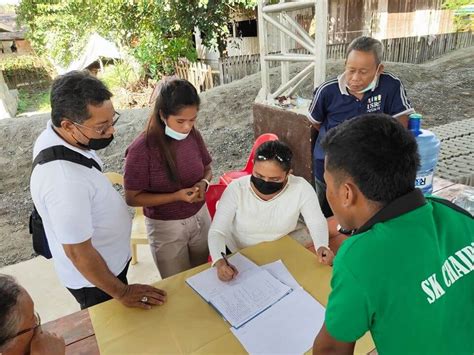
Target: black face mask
pixel 96 143
pixel 266 187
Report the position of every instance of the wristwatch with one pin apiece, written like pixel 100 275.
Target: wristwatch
pixel 344 231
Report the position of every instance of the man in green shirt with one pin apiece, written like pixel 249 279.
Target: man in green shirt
pixel 406 274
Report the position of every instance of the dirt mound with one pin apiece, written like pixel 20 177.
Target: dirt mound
pixel 441 90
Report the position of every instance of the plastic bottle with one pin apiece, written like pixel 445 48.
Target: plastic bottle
pixel 428 148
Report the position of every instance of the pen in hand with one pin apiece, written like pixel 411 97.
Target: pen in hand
pixel 225 259
pixel 227 272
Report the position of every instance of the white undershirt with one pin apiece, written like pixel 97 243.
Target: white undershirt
pixel 243 219
pixel 77 203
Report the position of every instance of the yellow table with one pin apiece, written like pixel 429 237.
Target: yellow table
pixel 186 324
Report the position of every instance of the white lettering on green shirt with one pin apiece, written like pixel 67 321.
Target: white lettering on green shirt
pixel 454 268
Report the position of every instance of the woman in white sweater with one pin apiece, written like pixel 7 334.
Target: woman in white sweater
pixel 265 206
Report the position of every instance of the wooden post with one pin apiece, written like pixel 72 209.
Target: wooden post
pixel 101 65
pixel 221 72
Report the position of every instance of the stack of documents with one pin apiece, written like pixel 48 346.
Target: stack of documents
pixel 268 310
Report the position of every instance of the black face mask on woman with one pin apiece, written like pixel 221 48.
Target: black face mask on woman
pixel 266 187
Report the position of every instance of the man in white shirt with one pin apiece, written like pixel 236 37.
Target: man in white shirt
pixel 85 219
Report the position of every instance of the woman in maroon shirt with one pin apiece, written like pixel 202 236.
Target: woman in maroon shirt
pixel 167 171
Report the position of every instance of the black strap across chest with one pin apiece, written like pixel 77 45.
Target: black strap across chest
pixel 60 152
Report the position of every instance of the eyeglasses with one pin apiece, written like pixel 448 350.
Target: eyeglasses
pixel 104 127
pixel 37 324
pixel 276 156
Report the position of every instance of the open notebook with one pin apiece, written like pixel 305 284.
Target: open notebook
pixel 287 326
pixel 252 292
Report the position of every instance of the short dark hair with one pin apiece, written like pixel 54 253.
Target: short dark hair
pixel 378 153
pixel 72 92
pixel 367 44
pixel 9 293
pixel 275 151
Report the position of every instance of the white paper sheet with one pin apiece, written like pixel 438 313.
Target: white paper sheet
pixel 288 327
pixel 208 285
pixel 279 270
pixel 250 298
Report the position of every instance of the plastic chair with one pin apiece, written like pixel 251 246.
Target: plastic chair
pixel 139 235
pixel 227 177
pixel 213 195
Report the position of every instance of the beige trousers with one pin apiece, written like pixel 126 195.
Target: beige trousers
pixel 181 244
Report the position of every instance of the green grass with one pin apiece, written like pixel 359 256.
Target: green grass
pixel 119 75
pixel 110 77
pixel 33 100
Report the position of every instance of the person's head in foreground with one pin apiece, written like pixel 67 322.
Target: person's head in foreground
pixel 271 167
pixel 81 110
pixel 20 325
pixel 371 160
pixel 363 64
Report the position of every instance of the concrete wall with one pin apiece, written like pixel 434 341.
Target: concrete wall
pixel 8 100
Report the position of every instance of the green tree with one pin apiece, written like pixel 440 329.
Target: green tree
pixel 463 18
pixel 156 33
pixel 456 4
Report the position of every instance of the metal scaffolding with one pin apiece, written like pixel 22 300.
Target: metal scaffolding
pixel 291 29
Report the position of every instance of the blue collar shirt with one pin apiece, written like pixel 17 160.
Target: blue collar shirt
pixel 332 104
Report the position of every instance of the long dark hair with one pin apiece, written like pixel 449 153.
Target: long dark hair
pixel 173 96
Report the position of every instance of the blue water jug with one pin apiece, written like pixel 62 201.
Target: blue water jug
pixel 428 148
